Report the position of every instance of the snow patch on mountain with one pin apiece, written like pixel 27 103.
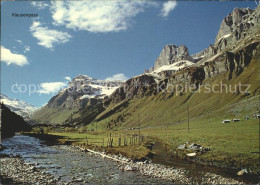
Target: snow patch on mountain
pixel 224 37
pixel 18 106
pixel 92 88
pixel 175 66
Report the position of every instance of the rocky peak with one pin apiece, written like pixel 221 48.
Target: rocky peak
pixel 171 54
pixel 241 24
pixel 233 22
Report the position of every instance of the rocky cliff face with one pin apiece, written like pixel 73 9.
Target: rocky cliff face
pixel 136 86
pixel 240 20
pixel 171 54
pixel 238 25
pixel 241 24
pixel 232 63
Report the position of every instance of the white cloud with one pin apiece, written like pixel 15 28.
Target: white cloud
pixel 48 38
pixel 51 87
pixel 167 8
pixel 97 16
pixel 117 77
pixel 26 48
pixel 39 4
pixel 67 78
pixel 12 58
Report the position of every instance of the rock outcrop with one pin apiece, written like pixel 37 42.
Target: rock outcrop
pixel 171 54
pixel 135 86
pixel 241 24
pixel 240 20
pixel 238 25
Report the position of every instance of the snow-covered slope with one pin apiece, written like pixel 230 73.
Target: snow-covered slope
pixel 91 87
pixel 18 106
pixel 175 66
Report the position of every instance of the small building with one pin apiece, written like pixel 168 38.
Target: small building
pixel 226 121
pixel 235 120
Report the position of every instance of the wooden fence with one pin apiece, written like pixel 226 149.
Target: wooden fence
pixel 115 140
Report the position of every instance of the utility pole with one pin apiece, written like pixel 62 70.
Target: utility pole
pixel 188 118
pixel 139 128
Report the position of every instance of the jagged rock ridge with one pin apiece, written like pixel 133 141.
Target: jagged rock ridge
pixel 238 25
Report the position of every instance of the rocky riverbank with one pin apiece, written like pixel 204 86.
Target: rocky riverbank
pixel 177 176
pixel 14 170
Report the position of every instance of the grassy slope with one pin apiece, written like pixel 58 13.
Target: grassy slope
pixel 49 115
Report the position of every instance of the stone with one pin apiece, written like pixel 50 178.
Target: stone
pixel 241 172
pixel 191 154
pixel 181 147
pixel 194 146
pixel 128 168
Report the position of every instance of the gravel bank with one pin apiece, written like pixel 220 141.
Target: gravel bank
pixel 176 175
pixel 15 171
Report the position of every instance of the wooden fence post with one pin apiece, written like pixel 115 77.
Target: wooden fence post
pixel 119 141
pixel 87 140
pixel 124 141
pixel 112 142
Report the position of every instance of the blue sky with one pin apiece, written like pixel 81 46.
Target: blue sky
pixel 99 39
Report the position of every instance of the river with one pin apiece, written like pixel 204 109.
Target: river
pixel 68 164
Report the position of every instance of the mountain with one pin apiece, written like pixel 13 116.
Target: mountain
pixel 160 96
pixel 235 27
pixel 19 107
pixel 11 123
pixel 82 92
pixel 155 98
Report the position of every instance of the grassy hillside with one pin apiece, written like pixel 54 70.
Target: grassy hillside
pixel 51 115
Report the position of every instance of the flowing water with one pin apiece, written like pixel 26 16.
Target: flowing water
pixel 68 164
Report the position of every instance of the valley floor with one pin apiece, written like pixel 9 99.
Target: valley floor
pixel 233 146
